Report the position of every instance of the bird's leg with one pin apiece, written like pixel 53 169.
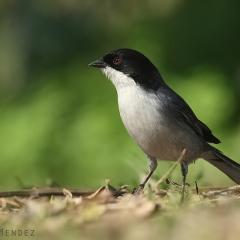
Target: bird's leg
pixel 152 168
pixel 197 189
pixel 184 169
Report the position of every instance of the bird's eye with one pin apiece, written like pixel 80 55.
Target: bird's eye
pixel 117 61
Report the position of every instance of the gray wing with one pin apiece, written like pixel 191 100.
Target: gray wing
pixel 181 110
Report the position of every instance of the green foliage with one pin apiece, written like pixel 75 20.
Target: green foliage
pixel 59 119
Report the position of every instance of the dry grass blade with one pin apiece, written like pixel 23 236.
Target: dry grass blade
pixel 226 191
pixel 171 169
pixel 67 193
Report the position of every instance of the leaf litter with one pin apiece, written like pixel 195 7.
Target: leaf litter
pixel 109 213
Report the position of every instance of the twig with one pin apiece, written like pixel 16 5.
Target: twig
pixel 44 192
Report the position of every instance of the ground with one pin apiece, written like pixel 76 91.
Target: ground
pixel 110 213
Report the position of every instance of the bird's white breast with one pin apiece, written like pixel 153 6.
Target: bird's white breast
pixel 144 117
pixel 140 113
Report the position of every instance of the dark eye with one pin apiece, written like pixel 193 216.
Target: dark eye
pixel 117 60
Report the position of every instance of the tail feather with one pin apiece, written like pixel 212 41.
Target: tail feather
pixel 226 165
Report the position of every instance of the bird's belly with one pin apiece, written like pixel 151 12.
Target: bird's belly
pixel 159 140
pixel 155 141
pixel 152 131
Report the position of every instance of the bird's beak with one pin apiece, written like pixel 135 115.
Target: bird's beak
pixel 99 63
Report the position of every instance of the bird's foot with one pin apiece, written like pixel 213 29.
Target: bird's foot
pixel 184 192
pixel 138 190
pixel 183 195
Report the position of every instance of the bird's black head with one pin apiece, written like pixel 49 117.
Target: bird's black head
pixel 132 64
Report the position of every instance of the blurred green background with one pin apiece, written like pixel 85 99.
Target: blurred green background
pixel 59 119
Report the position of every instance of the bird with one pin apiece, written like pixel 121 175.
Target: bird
pixel 158 119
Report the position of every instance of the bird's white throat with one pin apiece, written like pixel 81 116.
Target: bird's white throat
pixel 118 78
pixel 132 98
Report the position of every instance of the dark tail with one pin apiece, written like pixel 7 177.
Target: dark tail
pixel 225 164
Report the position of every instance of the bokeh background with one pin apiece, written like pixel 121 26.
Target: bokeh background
pixel 59 122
